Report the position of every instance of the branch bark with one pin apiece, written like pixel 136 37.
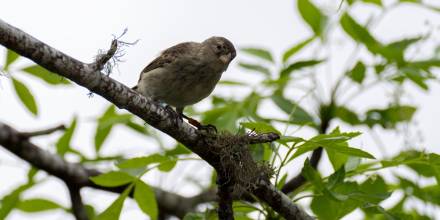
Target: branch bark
pixel 78 208
pixel 77 176
pixel 123 97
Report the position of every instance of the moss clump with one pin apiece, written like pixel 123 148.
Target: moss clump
pixel 236 165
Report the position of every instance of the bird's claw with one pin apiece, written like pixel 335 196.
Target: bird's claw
pixel 176 116
pixel 209 128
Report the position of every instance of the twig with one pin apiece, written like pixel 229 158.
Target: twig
pixel 42 132
pixel 254 138
pixel 78 208
pixel 103 58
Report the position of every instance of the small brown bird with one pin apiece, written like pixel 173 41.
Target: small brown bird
pixel 186 73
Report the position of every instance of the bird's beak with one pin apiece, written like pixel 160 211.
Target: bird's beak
pixel 225 58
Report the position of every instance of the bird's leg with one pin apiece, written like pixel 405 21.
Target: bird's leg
pixel 196 123
pixel 176 116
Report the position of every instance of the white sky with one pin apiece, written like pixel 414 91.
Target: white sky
pixel 79 28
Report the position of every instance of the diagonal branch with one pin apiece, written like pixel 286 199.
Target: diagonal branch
pixel 78 208
pixel 151 112
pixel 77 176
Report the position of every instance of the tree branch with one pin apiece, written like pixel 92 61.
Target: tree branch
pixel 123 97
pixel 78 208
pixel 225 189
pixel 42 132
pixel 77 176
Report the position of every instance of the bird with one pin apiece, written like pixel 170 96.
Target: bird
pixel 186 73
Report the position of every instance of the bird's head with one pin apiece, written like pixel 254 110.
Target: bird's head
pixel 221 47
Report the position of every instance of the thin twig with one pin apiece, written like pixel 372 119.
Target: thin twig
pixel 103 58
pixel 42 132
pixel 254 138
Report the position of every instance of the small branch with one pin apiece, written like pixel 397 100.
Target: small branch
pixel 254 138
pixel 102 59
pixel 279 202
pixel 42 132
pixel 78 208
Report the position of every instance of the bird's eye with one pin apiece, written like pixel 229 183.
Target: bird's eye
pixel 219 47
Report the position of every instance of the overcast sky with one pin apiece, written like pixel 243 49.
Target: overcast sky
pixel 80 28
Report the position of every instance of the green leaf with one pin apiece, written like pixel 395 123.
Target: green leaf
pixel 37 205
pixel 145 198
pixel 349 151
pixel 312 175
pixel 260 127
pixel 46 75
pixel 106 123
pixel 11 56
pixel 334 141
pixel 359 33
pixel 429 193
pixel 375 2
pixel 297 114
pixel 347 115
pixel 180 149
pixel 90 210
pixel 63 143
pixel 329 208
pixel 258 52
pixel 168 165
pixel 111 179
pixel 114 210
pixel 142 161
pixel 312 16
pixel 298 65
pixel 415 76
pixel 9 201
pixel 357 74
pixel 232 83
pixel 374 189
pixel 425 64
pixel 25 96
pixel 141 129
pixel 390 117
pixel 296 48
pixel 287 139
pixel 395 51
pixel 194 216
pixel 255 67
pixel 336 178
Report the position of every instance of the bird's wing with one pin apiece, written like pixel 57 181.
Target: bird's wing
pixel 169 55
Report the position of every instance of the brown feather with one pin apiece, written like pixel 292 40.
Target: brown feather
pixel 167 56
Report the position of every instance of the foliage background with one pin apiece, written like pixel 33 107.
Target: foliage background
pixel 272 25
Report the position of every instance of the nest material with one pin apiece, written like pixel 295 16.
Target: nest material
pixel 237 168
